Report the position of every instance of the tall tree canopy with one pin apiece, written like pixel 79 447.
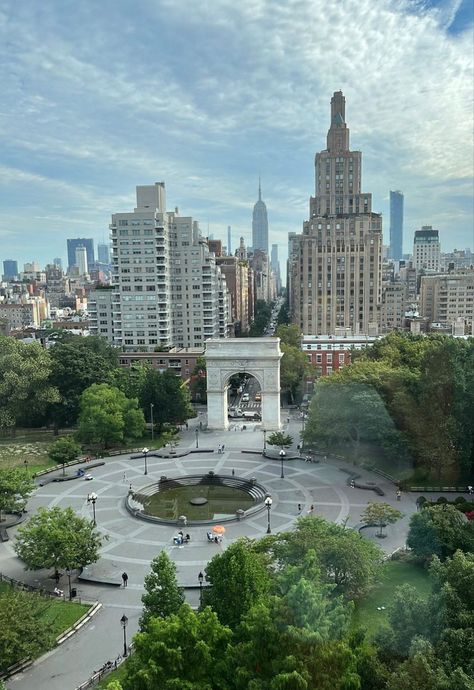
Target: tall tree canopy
pixel 26 389
pixel 107 416
pixel 77 363
pixel 57 538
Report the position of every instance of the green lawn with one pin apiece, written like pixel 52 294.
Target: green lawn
pixel 27 444
pixel 395 573
pixel 59 614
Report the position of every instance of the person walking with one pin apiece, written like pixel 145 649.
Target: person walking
pixel 352 484
pixel 470 489
pixel 299 507
pixel 125 579
pixel 399 495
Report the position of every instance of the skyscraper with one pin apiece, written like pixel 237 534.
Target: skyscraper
pixel 260 224
pixel 275 266
pixel 229 240
pixel 396 225
pixel 103 253
pixel 10 269
pixel 81 260
pixel 336 261
pixel 72 245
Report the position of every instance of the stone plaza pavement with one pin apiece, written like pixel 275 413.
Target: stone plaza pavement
pixel 131 543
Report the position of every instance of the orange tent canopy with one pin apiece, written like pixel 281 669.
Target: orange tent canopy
pixel 218 529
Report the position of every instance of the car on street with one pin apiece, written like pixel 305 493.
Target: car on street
pixel 245 397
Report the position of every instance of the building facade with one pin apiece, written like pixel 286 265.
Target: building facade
pixel 329 353
pixel 396 225
pixel 335 263
pixel 426 250
pixel 448 298
pixel 10 269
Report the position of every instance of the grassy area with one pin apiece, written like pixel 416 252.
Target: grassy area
pixel 27 444
pixel 395 573
pixel 60 615
pixel 57 613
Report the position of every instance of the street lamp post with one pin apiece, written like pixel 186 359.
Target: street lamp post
pixel 264 440
pixel 268 503
pixel 25 462
pixel 124 622
pixel 151 420
pixel 201 579
pixel 145 454
pixel 92 498
pixel 282 455
pixel 197 437
pixel 68 573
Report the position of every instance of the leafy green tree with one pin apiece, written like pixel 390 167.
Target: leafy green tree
pixel 408 618
pixel 346 413
pixel 289 334
pixel 294 369
pixel 169 396
pixel 59 539
pixel 186 650
pixel 24 634
pixel 162 595
pixel 64 450
pixel 107 416
pixel 78 363
pixel 380 514
pixel 345 559
pixel 439 531
pixel 198 384
pixel 15 487
pixel 278 438
pixel 26 392
pixel 239 578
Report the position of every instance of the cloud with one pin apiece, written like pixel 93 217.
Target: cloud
pixel 207 96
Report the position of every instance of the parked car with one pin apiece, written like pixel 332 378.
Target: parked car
pixel 252 414
pixel 245 397
pixel 258 397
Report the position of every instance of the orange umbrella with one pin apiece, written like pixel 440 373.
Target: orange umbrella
pixel 218 529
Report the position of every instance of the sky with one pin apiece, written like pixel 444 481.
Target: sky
pixel 97 98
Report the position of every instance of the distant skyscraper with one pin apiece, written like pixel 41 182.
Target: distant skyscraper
pixel 229 240
pixel 275 265
pixel 81 260
pixel 396 225
pixel 260 224
pixel 72 245
pixel 10 269
pixel 103 253
pixel 57 261
pixel 336 261
pixel 426 249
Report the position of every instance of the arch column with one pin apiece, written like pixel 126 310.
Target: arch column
pixel 259 357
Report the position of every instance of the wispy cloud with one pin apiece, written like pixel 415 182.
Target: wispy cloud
pixel 99 98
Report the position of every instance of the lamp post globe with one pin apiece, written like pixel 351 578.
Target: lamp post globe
pixel 145 452
pixel 92 498
pixel 282 456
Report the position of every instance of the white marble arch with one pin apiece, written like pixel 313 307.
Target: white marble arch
pixel 259 357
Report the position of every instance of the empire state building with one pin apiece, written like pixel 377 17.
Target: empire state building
pixel 260 224
pixel 335 264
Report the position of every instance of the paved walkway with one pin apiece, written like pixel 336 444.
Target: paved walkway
pixel 131 543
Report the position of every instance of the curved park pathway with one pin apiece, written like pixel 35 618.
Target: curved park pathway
pixel 131 543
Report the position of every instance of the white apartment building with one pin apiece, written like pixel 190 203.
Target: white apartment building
pixel 426 250
pixel 167 288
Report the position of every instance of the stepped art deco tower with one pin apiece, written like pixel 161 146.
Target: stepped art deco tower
pixel 335 264
pixel 260 224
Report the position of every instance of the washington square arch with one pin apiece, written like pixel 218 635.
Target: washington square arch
pixel 259 357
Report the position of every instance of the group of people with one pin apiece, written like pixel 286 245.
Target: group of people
pixel 181 538
pixel 220 448
pixel 214 538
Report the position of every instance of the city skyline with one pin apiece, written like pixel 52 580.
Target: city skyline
pixel 89 113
